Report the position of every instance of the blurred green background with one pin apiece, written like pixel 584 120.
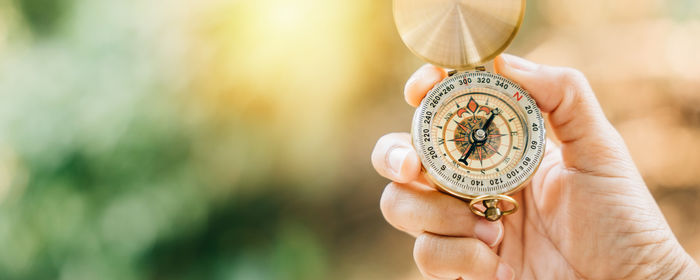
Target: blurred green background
pixel 219 139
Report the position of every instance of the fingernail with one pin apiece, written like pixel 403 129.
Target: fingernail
pixel 396 158
pixel 489 232
pixel 519 63
pixel 504 272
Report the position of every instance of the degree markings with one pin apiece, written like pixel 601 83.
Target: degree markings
pixel 500 123
pixel 444 178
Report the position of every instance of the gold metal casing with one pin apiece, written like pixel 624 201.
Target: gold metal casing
pixel 458 34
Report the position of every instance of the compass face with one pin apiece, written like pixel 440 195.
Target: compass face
pixel 477 134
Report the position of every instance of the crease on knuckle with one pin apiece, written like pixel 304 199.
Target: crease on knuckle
pixel 574 77
pixel 576 87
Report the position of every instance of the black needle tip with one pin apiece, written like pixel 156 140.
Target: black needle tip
pixel 467 154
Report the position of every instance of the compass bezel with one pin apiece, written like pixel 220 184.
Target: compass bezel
pixel 531 114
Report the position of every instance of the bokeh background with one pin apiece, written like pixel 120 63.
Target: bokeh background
pixel 218 139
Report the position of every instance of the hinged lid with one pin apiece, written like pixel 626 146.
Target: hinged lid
pixel 458 34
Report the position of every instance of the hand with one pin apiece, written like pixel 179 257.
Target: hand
pixel 587 213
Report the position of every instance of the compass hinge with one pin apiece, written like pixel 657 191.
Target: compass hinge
pixel 478 68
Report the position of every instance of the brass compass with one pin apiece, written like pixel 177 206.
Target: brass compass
pixel 480 137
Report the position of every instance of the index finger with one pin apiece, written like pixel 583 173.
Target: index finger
pixel 421 82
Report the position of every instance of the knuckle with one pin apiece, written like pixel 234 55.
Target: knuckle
pixel 575 81
pixel 573 76
pixel 576 90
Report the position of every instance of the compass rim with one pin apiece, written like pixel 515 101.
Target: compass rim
pixel 470 194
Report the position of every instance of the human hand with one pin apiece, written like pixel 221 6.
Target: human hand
pixel 586 214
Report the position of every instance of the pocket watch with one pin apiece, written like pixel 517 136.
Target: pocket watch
pixel 480 136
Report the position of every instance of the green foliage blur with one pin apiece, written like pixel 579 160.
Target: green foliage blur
pixel 107 177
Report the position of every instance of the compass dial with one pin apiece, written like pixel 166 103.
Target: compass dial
pixel 477 134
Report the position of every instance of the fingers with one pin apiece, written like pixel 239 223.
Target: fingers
pixel 421 82
pixel 416 210
pixel 589 140
pixel 439 257
pixel 562 92
pixel 394 158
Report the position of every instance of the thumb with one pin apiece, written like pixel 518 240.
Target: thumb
pixel 589 141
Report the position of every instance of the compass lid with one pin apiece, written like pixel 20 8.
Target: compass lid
pixel 458 34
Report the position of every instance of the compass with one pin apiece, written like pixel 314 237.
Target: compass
pixel 480 136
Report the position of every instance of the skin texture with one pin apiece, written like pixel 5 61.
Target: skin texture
pixel 587 213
